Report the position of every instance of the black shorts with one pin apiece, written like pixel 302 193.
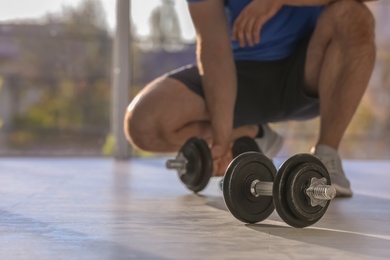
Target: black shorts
pixel 268 91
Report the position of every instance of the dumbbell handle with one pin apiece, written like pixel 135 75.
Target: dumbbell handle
pixel 179 164
pixel 318 192
pixel 174 164
pixel 261 188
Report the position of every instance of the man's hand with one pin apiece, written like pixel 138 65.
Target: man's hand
pixel 248 24
pixel 222 156
pixel 221 144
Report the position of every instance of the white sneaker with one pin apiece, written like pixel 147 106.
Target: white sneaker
pixel 332 161
pixel 271 142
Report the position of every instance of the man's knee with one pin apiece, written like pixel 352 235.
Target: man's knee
pixel 140 124
pixel 133 128
pixel 136 129
pixel 149 121
pixel 353 22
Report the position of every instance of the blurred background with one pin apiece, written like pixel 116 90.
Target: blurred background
pixel 56 77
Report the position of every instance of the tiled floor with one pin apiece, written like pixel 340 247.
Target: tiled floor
pixel 99 209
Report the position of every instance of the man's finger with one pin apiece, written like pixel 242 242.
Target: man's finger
pixel 217 151
pixel 216 167
pixel 249 31
pixel 236 25
pixel 238 31
pixel 257 30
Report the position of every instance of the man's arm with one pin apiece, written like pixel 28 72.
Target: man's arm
pixel 216 65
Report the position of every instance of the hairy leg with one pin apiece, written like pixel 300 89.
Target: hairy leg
pixel 339 64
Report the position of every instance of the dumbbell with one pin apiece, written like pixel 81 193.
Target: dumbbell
pixel 300 190
pixel 194 163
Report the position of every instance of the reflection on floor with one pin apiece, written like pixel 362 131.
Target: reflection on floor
pixel 99 209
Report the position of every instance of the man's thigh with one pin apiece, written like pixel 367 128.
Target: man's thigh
pixel 274 91
pixel 164 106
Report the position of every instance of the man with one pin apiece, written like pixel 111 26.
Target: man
pixel 261 61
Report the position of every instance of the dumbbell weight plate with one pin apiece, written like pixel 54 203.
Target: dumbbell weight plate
pixel 242 171
pixel 292 179
pixel 200 165
pixel 244 144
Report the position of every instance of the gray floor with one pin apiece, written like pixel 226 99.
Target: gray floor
pixel 99 209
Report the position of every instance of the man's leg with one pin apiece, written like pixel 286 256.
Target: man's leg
pixel 166 114
pixel 339 64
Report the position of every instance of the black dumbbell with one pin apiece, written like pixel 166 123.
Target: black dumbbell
pixel 300 191
pixel 194 163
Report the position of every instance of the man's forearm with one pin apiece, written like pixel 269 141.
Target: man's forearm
pixel 220 86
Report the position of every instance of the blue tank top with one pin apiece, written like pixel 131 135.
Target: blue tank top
pixel 279 36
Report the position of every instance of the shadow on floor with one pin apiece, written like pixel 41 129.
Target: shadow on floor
pixel 334 239
pixel 363 213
